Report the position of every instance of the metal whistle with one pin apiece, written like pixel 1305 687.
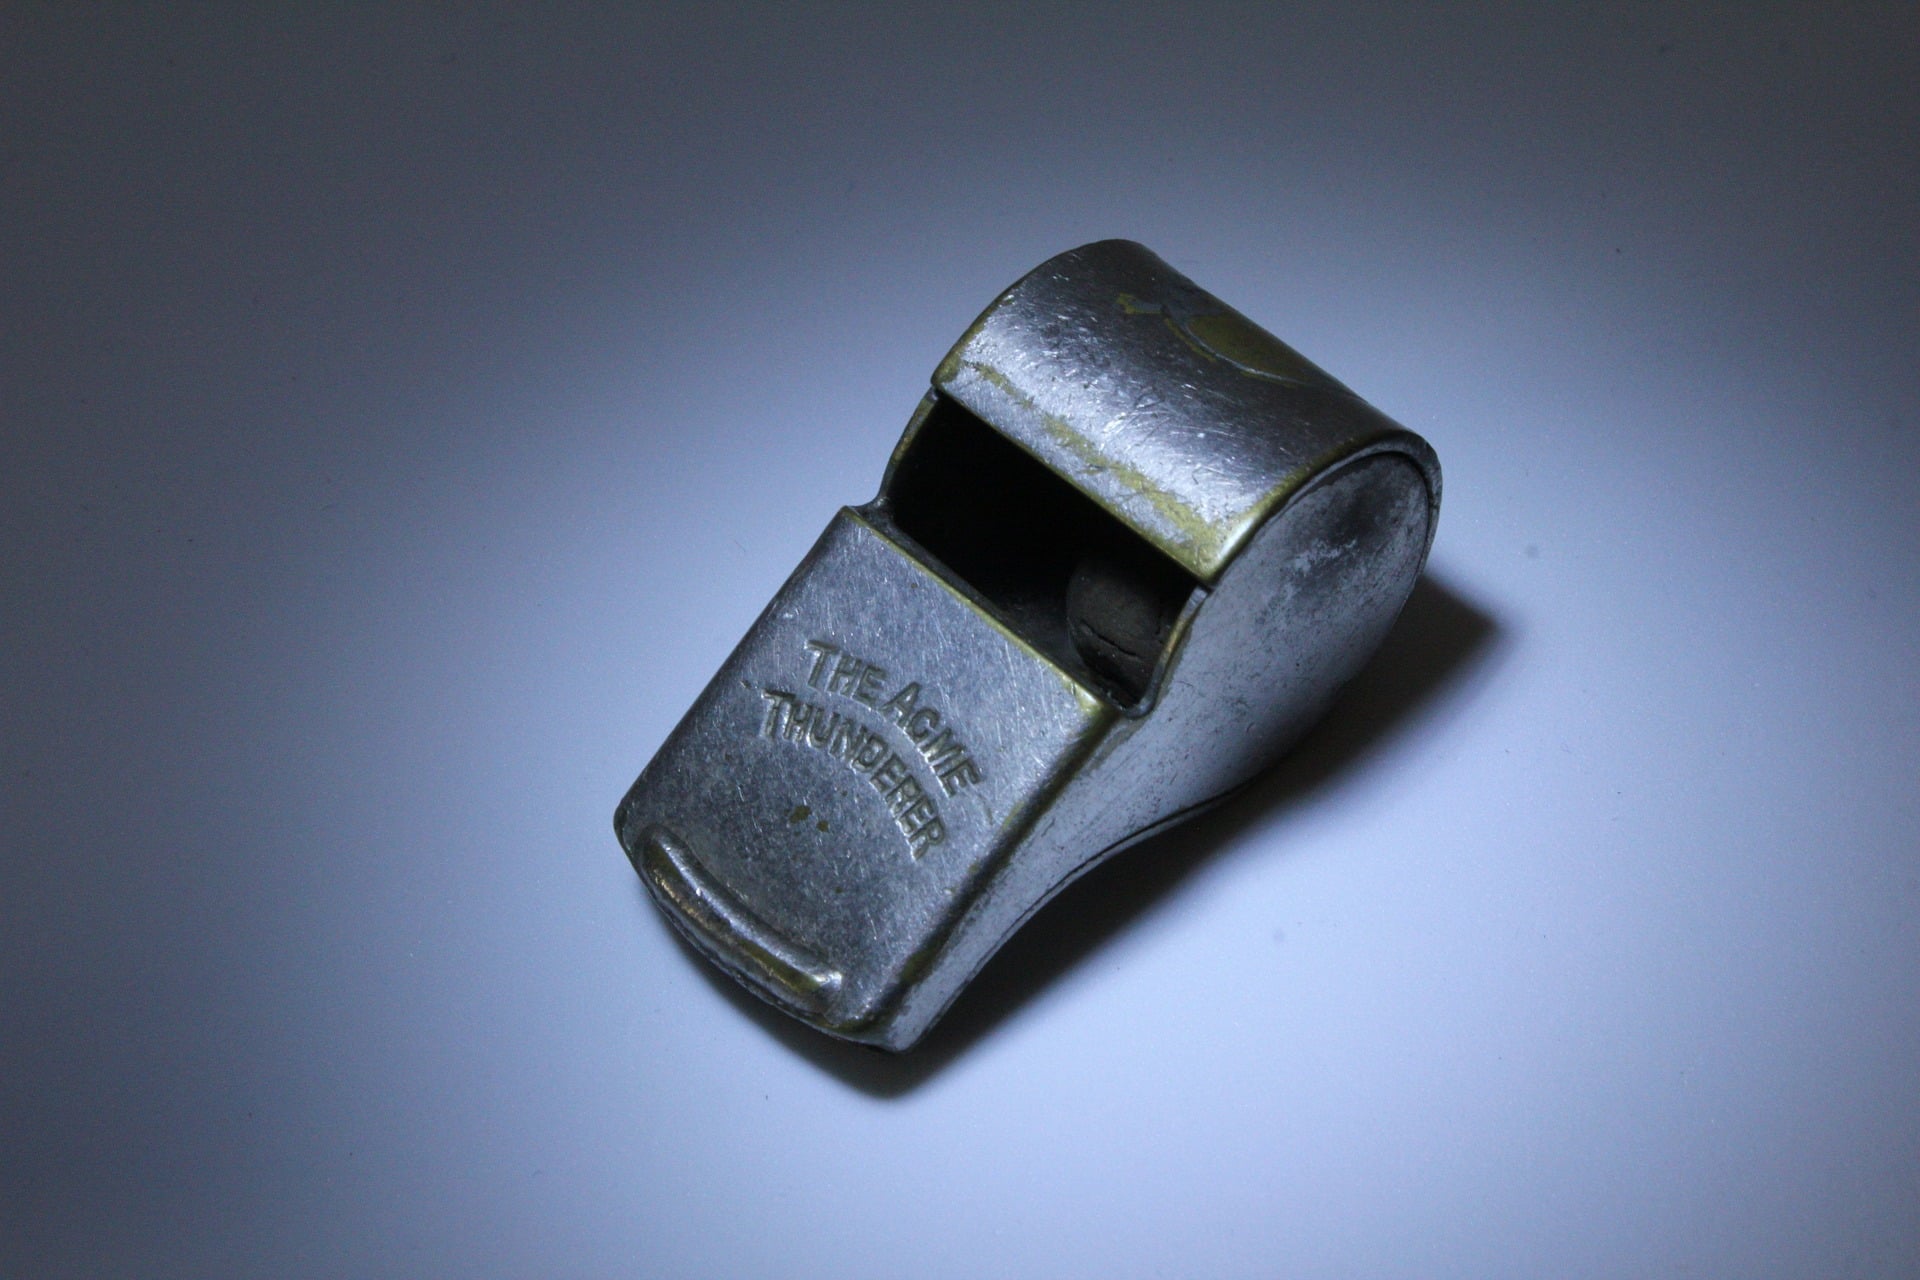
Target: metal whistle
pixel 1126 551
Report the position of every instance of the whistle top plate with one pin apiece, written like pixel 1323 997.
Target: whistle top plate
pixel 1186 420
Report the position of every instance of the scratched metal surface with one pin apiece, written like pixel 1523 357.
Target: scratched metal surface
pixel 1189 421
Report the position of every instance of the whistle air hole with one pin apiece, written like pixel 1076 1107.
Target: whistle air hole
pixel 1062 572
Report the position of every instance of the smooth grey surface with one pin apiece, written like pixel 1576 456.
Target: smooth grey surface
pixel 403 416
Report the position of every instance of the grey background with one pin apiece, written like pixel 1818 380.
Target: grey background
pixel 403 413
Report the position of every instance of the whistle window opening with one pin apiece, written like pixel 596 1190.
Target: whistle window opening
pixel 1065 575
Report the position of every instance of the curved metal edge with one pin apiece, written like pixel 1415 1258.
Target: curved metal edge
pixel 1390 438
pixel 721 927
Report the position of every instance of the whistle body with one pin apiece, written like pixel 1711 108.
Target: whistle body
pixel 1126 551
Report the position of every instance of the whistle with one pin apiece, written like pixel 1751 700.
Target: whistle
pixel 1127 550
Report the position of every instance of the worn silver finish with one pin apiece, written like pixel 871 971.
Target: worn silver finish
pixel 1126 551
